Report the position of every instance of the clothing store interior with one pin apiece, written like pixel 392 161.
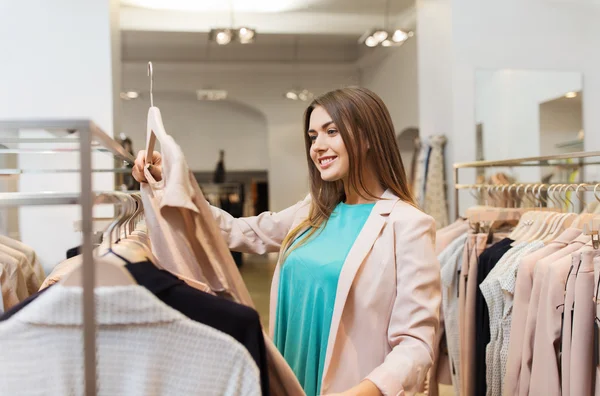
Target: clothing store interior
pixel 180 282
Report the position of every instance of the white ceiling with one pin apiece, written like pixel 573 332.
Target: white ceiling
pixel 315 17
pixel 315 31
pixel 360 7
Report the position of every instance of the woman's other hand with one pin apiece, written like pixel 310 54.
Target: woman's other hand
pixel 155 167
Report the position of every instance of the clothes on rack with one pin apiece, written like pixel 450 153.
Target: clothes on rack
pixel 236 320
pixel 435 203
pixel 21 273
pixel 518 309
pixel 137 334
pixel 429 179
pixel 420 173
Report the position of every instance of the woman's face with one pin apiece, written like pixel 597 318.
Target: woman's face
pixel 327 150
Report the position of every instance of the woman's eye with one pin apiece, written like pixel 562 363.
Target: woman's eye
pixel 331 131
pixel 312 138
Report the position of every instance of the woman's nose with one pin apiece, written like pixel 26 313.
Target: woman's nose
pixel 319 143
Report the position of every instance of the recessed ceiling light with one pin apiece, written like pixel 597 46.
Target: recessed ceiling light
pixel 220 5
pixel 571 95
pixel 129 95
pixel 386 43
pixel 371 41
pixel 246 35
pixel 223 37
pixel 380 35
pixel 211 94
pixel 291 95
pixel 399 36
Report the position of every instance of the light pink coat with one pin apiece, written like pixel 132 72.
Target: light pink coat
pixel 387 306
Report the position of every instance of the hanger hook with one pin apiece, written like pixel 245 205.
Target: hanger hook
pixel 595 193
pixel 151 75
pixel 558 194
pixel 540 197
pixel 580 198
pixel 526 192
pixel 549 194
pixel 567 188
pixel 517 192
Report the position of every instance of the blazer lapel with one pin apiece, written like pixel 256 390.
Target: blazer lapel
pixel 362 246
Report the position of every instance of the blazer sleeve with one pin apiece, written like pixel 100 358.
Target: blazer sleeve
pixel 415 314
pixel 257 234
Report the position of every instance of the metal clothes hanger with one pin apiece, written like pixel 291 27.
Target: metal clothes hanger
pixel 155 128
pixel 107 272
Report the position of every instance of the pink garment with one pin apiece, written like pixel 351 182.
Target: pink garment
pixel 597 315
pixel 187 241
pixel 445 236
pixel 539 274
pixel 582 371
pixel 545 373
pixel 522 296
pixel 567 329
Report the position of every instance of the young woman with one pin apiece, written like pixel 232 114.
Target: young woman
pixel 356 293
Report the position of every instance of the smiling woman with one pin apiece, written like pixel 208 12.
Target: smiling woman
pixel 356 292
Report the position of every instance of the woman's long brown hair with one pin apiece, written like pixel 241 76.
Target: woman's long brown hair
pixel 363 121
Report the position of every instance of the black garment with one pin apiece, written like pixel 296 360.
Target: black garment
pixel 239 321
pixel 486 262
pixel 76 251
pixel 219 174
pixel 236 320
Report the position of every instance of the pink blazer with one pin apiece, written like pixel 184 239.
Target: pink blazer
pixel 387 306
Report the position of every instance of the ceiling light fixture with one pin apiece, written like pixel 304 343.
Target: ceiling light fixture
pixel 399 36
pixel 371 41
pixel 129 95
pixel 571 95
pixel 381 37
pixel 211 95
pixel 224 36
pixel 303 95
pixel 246 35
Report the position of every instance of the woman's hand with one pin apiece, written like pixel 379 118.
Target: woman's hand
pixel 365 388
pixel 155 167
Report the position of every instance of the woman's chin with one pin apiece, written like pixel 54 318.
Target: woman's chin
pixel 330 177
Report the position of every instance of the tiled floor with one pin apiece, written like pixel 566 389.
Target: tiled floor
pixel 257 272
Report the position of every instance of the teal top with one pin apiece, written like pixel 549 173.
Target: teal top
pixel 307 290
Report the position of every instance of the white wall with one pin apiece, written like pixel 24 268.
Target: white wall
pixel 392 73
pixel 260 86
pixel 507 104
pixel 204 128
pixel 458 37
pixel 56 64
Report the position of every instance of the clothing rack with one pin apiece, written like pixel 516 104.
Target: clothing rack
pixel 89 137
pixel 559 160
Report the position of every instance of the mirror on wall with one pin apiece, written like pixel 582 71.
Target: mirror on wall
pixel 528 113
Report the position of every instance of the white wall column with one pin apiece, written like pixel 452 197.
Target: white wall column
pixel 60 59
pixel 458 37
